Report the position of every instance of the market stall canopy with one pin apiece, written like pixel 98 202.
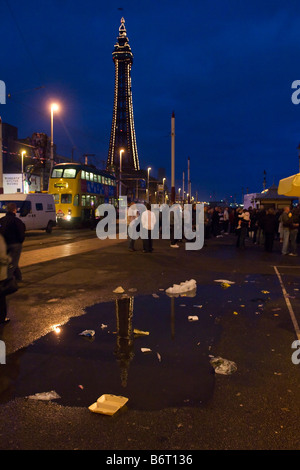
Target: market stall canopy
pixel 290 186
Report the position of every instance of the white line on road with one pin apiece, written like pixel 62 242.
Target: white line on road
pixel 288 303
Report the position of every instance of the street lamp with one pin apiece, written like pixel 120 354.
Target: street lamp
pixel 179 189
pixel 54 107
pixel 164 189
pixel 23 153
pixel 120 176
pixel 149 168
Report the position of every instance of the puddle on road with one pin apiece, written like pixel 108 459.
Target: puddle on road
pixel 176 372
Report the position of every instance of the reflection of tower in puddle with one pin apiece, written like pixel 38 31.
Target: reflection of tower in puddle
pixel 124 346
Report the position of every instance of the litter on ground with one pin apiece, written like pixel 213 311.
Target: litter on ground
pixel 119 290
pixel 140 332
pixel 225 281
pixel 182 287
pixel 223 366
pixel 108 404
pixel 87 333
pixel 193 318
pixel 46 396
pixel 145 350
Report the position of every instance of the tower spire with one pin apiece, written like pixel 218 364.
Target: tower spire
pixel 122 129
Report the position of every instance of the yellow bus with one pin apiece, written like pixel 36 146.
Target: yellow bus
pixel 78 190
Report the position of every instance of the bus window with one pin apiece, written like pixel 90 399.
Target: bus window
pixel 88 199
pixel 83 200
pixel 66 198
pixel 76 200
pixel 70 173
pixel 56 198
pixel 95 178
pixel 87 175
pixel 83 175
pixel 99 179
pixel 91 177
pixel 57 173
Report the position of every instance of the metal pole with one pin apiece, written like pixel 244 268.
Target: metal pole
pixel 173 158
pixel 183 187
pixel 51 155
pixel 189 181
pixel 1 159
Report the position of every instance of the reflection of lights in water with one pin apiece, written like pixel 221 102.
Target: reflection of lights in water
pixel 56 329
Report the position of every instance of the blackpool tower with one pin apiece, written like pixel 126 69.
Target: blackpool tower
pixel 122 135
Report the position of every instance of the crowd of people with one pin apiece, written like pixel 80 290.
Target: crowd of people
pixel 261 226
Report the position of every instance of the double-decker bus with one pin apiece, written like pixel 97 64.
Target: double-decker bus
pixel 78 190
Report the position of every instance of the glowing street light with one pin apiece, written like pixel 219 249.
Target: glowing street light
pixel 121 151
pixel 54 107
pixel 23 153
pixel 149 168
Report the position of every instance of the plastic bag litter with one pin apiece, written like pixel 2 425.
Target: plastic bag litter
pixel 223 366
pixel 119 290
pixel 87 333
pixel 45 396
pixel 183 287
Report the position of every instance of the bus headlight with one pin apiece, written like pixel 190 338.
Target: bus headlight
pixel 68 217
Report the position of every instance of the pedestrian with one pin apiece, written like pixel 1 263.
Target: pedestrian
pixel 269 225
pixel 226 220
pixel 131 216
pixel 286 219
pixel 148 221
pixel 294 230
pixel 243 226
pixel 4 263
pixel 13 230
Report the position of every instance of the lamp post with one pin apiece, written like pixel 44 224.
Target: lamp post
pixel 179 189
pixel 149 168
pixel 54 107
pixel 120 176
pixel 23 153
pixel 164 190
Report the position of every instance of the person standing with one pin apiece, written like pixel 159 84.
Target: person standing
pixel 269 225
pixel 13 231
pixel 148 221
pixel 294 231
pixel 286 219
pixel 4 262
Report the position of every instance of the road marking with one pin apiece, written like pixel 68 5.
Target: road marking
pixel 288 303
pixel 42 255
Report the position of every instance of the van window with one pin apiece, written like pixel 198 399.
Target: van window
pixel 39 206
pixel 66 198
pixel 25 208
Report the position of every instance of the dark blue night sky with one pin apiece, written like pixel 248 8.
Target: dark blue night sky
pixel 224 67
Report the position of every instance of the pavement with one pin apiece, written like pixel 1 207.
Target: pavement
pixel 255 323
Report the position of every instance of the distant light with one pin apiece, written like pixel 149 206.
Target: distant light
pixel 56 329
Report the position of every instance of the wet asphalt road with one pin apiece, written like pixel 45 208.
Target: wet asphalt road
pixel 257 407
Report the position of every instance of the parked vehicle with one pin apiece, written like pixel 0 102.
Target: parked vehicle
pixel 36 210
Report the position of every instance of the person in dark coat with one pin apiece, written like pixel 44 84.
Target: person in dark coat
pixel 13 231
pixel 269 225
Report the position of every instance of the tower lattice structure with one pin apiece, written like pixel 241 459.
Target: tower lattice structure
pixel 122 129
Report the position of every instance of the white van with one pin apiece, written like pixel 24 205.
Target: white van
pixel 36 210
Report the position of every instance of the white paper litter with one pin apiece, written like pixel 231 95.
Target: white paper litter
pixel 158 356
pixel 224 280
pixel 197 306
pixel 145 350
pixel 182 287
pixel 103 326
pixel 193 318
pixel 44 396
pixel 223 366
pixel 87 333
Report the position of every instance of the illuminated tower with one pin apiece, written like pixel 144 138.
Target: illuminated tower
pixel 122 129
